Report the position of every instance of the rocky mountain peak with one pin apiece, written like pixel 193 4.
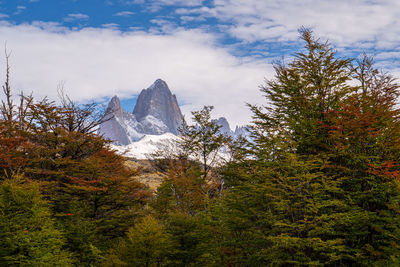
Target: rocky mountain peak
pixel 159 102
pixel 114 107
pixel 159 85
pixel 225 128
pixel 156 112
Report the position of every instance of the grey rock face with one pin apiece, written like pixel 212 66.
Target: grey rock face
pixel 243 131
pixel 114 107
pixel 118 125
pixel 160 103
pixel 240 131
pixel 156 112
pixel 224 126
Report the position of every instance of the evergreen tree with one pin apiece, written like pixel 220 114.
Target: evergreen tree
pixel 146 244
pixel 298 99
pixel 28 236
pixel 317 191
pixel 203 141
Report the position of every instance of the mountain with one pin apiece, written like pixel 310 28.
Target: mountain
pixel 158 101
pixel 243 131
pixel 142 148
pixel 155 117
pixel 156 112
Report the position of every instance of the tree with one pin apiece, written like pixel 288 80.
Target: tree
pixel 298 99
pixel 191 168
pixel 203 141
pixel 146 244
pixel 92 193
pixel 28 236
pixel 317 189
pixel 183 190
pixel 7 106
pixel 365 133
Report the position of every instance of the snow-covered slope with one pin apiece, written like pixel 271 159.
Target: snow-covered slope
pixel 146 145
pixel 167 143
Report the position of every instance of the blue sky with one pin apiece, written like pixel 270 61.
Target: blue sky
pixel 210 52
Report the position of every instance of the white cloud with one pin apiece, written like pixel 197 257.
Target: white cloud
pixel 180 2
pixel 124 14
pixel 20 9
pixel 111 26
pixel 346 23
pixel 98 63
pixel 388 55
pixel 166 2
pixel 76 16
pixel 157 5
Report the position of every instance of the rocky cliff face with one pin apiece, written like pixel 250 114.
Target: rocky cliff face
pixel 158 101
pixel 156 112
pixel 118 125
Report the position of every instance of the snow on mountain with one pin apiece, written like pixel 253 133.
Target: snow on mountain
pixel 154 122
pixel 243 131
pixel 156 112
pixel 145 146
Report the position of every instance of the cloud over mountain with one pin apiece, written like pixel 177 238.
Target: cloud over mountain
pixel 95 63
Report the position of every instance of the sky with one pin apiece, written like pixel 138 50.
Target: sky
pixel 210 52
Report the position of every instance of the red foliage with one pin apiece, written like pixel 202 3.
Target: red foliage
pixel 13 150
pixel 387 169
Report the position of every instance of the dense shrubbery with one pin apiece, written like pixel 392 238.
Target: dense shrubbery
pixel 317 185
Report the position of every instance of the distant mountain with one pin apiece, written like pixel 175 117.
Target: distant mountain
pixel 156 112
pixel 149 144
pixel 226 129
pixel 159 102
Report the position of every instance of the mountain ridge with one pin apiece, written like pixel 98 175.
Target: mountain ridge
pixel 156 112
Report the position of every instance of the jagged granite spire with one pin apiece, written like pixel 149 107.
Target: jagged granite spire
pixel 225 128
pixel 114 107
pixel 159 102
pixel 156 112
pixel 112 128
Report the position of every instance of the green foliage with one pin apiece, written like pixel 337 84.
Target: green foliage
pixel 28 236
pixel 314 83
pixel 202 140
pixel 318 185
pixel 146 244
pixel 283 214
pixel 322 187
pixel 190 240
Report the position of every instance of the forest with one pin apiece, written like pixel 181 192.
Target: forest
pixel 316 184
